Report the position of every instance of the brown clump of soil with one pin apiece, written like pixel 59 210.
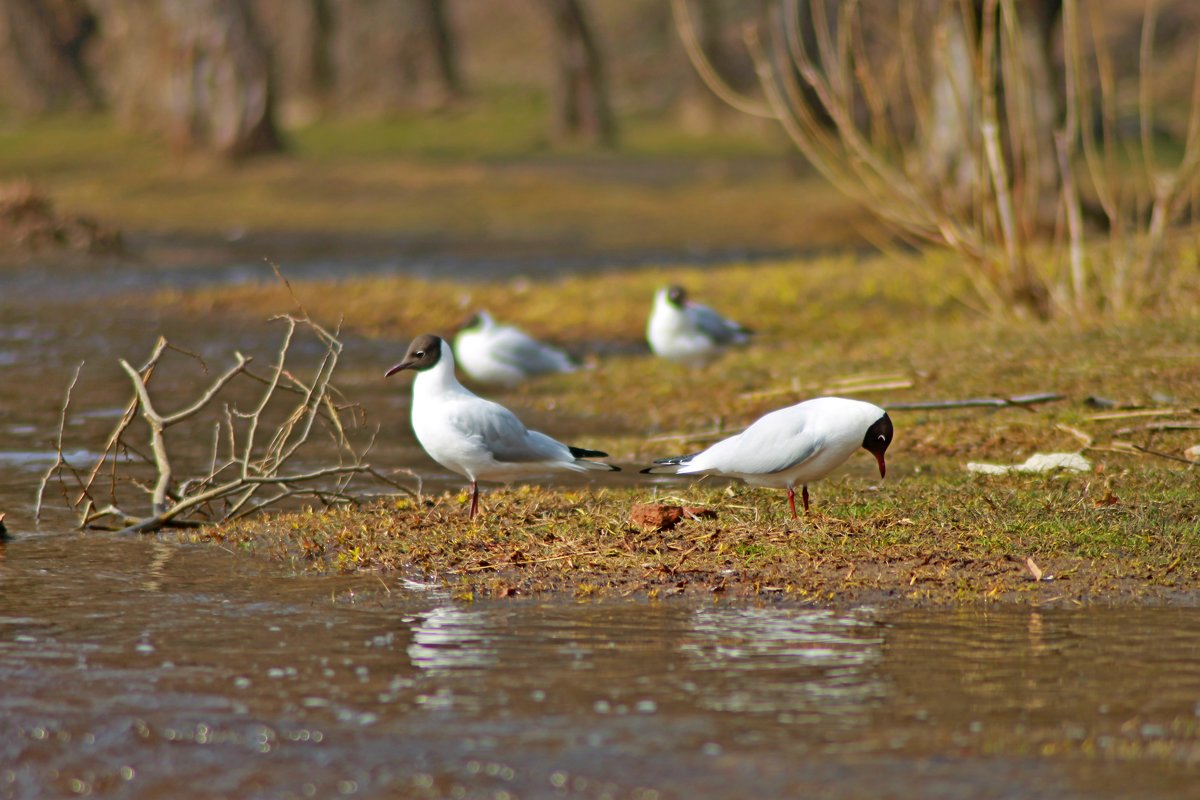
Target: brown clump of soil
pixel 30 223
pixel 659 517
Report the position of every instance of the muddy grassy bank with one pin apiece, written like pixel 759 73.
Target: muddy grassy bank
pixel 1124 530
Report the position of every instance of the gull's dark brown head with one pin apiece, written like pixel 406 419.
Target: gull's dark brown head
pixel 876 442
pixel 676 296
pixel 475 322
pixel 424 353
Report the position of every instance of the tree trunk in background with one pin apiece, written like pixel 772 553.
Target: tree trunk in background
pixel 364 58
pixel 445 48
pixel 299 35
pixel 383 57
pixel 196 70
pixel 580 98
pixel 41 45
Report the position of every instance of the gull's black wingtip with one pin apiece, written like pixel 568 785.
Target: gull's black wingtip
pixel 674 461
pixel 580 452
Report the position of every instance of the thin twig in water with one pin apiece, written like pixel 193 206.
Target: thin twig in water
pixel 59 460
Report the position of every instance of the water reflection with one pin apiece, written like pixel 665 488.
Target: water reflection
pixel 155 667
pixel 802 665
pixel 449 638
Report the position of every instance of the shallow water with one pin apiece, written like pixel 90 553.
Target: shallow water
pixel 139 668
pixel 130 667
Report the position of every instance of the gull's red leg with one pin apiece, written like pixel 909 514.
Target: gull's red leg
pixel 804 497
pixel 792 502
pixel 474 498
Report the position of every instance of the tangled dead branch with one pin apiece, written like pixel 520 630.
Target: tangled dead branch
pixel 247 470
pixel 948 122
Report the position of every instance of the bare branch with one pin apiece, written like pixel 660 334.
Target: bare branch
pixel 253 476
pixel 978 164
pixel 59 460
pixel 704 68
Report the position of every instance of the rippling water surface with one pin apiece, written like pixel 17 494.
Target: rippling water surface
pixel 137 668
pixel 144 669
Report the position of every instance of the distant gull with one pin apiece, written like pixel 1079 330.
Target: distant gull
pixel 682 330
pixel 799 444
pixel 489 352
pixel 474 437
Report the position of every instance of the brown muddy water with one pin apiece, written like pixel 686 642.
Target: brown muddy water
pixel 133 667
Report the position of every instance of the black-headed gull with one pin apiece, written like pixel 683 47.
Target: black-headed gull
pixel 799 444
pixel 474 437
pixel 502 354
pixel 685 331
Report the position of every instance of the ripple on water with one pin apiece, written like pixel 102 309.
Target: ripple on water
pixel 129 662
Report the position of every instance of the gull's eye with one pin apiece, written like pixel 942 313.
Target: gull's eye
pixel 882 438
pixel 419 354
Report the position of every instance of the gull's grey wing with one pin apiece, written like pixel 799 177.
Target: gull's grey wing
pixel 497 430
pixel 529 355
pixel 751 460
pixel 716 327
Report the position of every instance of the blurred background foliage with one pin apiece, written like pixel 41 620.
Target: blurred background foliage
pixel 1054 144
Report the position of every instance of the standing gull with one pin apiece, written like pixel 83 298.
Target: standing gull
pixel 688 332
pixel 502 354
pixel 474 437
pixel 799 444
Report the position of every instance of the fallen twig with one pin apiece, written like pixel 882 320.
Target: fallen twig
pixel 1168 456
pixel 697 436
pixel 1158 426
pixel 1021 401
pixel 1084 438
pixel 1149 412
pixel 854 384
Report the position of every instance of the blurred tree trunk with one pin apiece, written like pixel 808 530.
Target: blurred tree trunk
pixel 41 46
pixel 196 70
pixel 445 48
pixel 299 35
pixel 582 109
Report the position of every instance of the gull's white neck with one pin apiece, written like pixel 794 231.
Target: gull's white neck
pixel 438 380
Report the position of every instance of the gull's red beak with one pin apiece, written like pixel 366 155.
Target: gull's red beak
pixel 882 465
